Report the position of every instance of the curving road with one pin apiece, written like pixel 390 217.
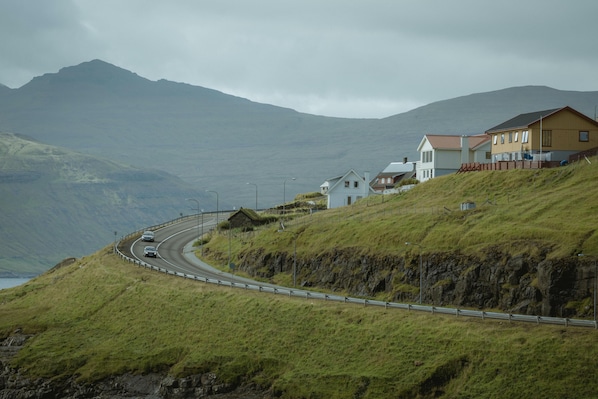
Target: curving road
pixel 176 256
pixel 174 243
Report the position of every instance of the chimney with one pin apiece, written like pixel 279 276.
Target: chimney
pixel 464 149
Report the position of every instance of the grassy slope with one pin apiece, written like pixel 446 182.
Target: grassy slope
pixel 101 316
pixel 552 211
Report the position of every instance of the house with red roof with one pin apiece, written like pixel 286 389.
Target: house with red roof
pixel 444 154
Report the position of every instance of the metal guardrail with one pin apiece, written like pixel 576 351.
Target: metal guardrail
pixel 511 317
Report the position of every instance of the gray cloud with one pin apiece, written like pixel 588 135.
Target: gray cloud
pixel 330 57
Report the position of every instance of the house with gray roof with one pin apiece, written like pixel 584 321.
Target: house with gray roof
pixel 549 135
pixel 346 189
pixel 392 175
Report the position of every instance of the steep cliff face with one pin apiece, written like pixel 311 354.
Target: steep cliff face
pixel 527 284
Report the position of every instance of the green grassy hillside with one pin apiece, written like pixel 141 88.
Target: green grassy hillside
pixel 517 251
pixel 101 316
pixel 552 211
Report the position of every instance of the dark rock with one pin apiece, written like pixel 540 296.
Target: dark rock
pixel 523 283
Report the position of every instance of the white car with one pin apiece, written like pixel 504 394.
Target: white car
pixel 147 236
pixel 150 251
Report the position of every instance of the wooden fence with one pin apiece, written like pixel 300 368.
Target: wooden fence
pixel 506 165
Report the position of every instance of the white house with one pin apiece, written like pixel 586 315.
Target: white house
pixel 443 154
pixel 346 189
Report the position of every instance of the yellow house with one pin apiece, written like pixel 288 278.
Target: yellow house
pixel 551 135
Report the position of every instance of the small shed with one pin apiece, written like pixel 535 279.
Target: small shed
pixel 244 218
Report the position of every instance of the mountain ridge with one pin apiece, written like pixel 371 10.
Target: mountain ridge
pixel 214 141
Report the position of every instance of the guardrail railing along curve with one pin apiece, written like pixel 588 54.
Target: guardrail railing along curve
pixel 291 292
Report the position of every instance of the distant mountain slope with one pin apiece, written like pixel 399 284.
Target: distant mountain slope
pixel 56 203
pixel 476 113
pixel 220 142
pixel 202 135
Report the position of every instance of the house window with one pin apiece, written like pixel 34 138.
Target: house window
pixel 488 154
pixel 502 138
pixel 426 156
pixel 584 135
pixel 495 139
pixel 516 136
pixel 510 137
pixel 347 185
pixel 356 184
pixel 524 136
pixel 546 138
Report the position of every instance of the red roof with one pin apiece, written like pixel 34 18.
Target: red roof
pixel 453 142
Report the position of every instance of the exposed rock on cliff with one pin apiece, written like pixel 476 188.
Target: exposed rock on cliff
pixel 524 283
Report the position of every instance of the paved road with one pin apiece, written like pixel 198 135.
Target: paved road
pixel 176 253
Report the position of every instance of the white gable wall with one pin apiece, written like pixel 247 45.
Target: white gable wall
pixel 348 190
pixel 425 170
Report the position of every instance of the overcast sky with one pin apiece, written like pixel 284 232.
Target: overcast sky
pixel 369 58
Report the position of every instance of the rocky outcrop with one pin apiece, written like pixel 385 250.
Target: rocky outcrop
pixel 524 283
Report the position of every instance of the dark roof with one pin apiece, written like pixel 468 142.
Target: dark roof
pixel 523 120
pixel 250 213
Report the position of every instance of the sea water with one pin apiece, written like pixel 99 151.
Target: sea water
pixel 12 282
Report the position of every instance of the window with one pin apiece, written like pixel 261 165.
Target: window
pixel 510 137
pixel 524 136
pixel 546 138
pixel 488 154
pixel 495 139
pixel 426 156
pixel 516 136
pixel 584 135
pixel 502 138
pixel 347 185
pixel 356 184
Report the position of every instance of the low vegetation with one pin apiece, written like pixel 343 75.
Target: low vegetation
pixel 549 211
pixel 101 316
